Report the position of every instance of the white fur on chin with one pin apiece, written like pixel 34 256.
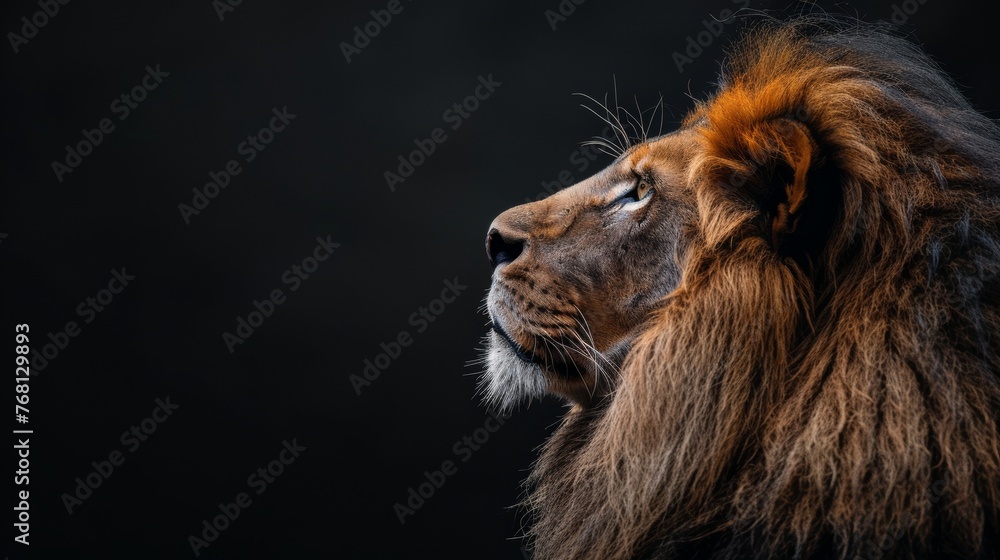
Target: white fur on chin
pixel 509 380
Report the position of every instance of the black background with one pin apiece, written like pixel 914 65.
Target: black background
pixel 322 176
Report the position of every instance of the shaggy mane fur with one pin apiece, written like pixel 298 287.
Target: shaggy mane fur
pixel 819 387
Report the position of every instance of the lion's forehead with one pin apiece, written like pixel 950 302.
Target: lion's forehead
pixel 668 156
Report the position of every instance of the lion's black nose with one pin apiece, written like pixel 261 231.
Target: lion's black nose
pixel 502 249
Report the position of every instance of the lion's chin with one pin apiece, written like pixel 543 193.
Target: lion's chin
pixel 509 379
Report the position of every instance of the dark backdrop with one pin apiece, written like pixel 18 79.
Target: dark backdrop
pixel 161 337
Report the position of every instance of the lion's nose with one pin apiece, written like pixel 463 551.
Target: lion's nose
pixel 502 248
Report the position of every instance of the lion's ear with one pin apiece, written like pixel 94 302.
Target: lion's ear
pixel 775 164
pixel 793 154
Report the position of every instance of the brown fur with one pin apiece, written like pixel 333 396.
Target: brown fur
pixel 823 381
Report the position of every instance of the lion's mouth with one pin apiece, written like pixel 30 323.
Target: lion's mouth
pixel 557 364
pixel 519 351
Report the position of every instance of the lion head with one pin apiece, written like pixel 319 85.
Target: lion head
pixel 777 326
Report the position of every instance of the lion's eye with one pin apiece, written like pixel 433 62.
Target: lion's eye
pixel 639 191
pixel 642 188
pixel 625 198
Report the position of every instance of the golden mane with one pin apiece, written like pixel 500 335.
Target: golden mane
pixel 839 398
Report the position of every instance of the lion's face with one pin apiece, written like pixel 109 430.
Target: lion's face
pixel 576 274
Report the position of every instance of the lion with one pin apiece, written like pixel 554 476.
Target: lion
pixel 776 328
